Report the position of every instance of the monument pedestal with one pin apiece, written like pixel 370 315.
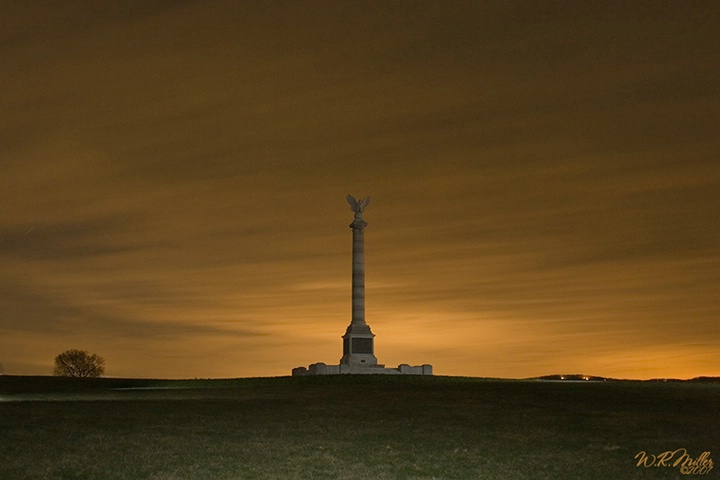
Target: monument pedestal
pixel 358 346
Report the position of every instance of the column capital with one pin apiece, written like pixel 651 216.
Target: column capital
pixel 358 224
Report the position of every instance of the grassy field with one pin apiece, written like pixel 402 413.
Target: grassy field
pixel 350 427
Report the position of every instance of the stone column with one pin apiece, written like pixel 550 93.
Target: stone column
pixel 358 341
pixel 358 271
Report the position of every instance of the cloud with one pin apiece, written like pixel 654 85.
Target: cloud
pixel 68 241
pixel 174 175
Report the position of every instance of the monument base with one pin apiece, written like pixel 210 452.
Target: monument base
pixel 358 346
pixel 323 369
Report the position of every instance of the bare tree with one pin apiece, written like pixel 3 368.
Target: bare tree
pixel 78 363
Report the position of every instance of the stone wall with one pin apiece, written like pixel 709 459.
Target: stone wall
pixel 323 369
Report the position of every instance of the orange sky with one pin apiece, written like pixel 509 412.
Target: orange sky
pixel 544 180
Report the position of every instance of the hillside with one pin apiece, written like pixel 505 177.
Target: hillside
pixel 348 427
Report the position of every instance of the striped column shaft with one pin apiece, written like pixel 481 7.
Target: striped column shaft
pixel 358 271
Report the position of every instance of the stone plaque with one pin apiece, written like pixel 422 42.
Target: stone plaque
pixel 362 345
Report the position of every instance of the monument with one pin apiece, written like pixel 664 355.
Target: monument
pixel 358 340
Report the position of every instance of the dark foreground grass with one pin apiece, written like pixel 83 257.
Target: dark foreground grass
pixel 350 427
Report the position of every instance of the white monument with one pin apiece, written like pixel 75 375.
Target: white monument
pixel 358 341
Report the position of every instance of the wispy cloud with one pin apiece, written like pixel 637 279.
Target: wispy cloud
pixel 544 184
